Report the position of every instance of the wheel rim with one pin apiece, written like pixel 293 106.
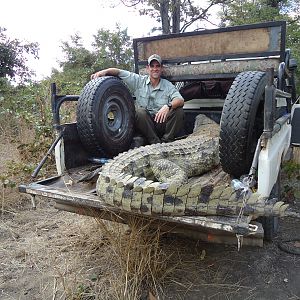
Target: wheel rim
pixel 114 117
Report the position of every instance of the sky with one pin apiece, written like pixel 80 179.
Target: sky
pixel 51 22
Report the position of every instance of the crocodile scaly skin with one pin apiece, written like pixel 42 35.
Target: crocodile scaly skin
pixel 178 178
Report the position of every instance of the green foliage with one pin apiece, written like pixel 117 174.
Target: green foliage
pixel 76 55
pixel 14 56
pixel 293 39
pixel 28 103
pixel 290 181
pixel 238 12
pixel 291 169
pixel 108 49
pixel 16 172
pixel 112 48
pixel 71 81
pixel 26 109
pixel 247 12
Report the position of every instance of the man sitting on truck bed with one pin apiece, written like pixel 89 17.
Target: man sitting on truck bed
pixel 159 113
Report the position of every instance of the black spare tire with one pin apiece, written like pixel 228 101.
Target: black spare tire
pixel 242 122
pixel 105 116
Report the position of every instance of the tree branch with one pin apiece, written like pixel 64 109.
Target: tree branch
pixel 200 16
pixel 132 4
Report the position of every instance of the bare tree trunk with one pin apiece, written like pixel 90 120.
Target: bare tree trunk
pixel 164 10
pixel 175 16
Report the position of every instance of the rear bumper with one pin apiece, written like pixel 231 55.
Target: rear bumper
pixel 81 199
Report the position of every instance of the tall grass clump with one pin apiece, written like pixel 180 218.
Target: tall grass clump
pixel 141 262
pixel 117 261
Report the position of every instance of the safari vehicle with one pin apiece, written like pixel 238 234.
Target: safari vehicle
pixel 241 77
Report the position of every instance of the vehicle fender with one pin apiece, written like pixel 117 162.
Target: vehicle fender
pixel 270 158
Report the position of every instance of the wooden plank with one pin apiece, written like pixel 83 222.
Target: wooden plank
pixel 224 67
pixel 220 43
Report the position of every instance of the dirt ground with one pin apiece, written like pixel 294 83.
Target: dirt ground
pixel 51 254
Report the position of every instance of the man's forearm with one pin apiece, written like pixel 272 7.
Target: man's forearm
pixel 106 72
pixel 177 102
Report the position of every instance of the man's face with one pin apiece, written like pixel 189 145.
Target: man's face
pixel 154 69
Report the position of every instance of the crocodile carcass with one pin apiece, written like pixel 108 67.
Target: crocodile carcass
pixel 178 178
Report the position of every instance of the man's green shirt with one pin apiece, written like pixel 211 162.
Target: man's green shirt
pixel 146 96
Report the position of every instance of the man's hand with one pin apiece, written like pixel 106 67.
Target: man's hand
pixel 161 115
pixel 98 74
pixel 106 72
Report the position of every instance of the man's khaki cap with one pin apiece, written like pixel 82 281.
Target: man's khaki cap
pixel 154 57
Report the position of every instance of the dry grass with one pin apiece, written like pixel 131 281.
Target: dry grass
pixel 64 256
pixel 15 129
pixel 17 161
pixel 122 263
pixel 8 152
pixel 141 262
pixel 115 261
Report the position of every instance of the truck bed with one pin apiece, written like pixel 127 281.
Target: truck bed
pixel 81 198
